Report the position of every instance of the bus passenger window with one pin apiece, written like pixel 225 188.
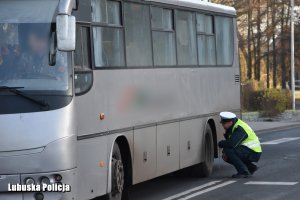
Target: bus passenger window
pixel 163 37
pixel 200 23
pixel 206 40
pixel 99 13
pixel 209 25
pixel 108 47
pixel 211 50
pixel 107 34
pixel 186 38
pixel 201 41
pixel 113 12
pixel 107 12
pixel 224 39
pixel 161 18
pixel 137 35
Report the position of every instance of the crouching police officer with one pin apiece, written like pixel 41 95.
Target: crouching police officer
pixel 241 146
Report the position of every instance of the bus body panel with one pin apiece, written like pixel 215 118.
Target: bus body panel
pixel 90 174
pixel 167 148
pixel 34 141
pixel 56 156
pixel 181 92
pixel 193 104
pixel 35 130
pixel 144 160
pixel 94 161
pixel 191 136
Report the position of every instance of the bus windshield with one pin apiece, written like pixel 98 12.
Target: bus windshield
pixel 27 31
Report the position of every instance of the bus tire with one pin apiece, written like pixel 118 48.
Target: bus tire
pixel 205 168
pixel 118 190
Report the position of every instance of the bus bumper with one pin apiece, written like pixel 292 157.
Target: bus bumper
pixel 9 184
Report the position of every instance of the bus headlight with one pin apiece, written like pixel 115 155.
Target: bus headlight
pixel 57 177
pixel 39 196
pixel 45 180
pixel 29 181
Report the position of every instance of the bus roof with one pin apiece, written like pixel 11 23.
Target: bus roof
pixel 197 4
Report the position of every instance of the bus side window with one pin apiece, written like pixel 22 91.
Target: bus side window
pixel 108 34
pixel 82 51
pixel 206 40
pixel 164 51
pixel 137 35
pixel 224 39
pixel 82 61
pixel 186 38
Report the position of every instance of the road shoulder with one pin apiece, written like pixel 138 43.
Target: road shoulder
pixel 262 127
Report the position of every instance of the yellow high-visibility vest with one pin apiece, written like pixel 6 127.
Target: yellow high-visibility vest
pixel 251 141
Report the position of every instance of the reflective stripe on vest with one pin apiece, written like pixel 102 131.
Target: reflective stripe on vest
pixel 251 141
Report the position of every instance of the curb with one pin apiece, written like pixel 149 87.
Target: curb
pixel 277 128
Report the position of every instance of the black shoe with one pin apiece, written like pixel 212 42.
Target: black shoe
pixel 252 168
pixel 238 175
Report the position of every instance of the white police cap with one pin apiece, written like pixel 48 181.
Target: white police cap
pixel 225 116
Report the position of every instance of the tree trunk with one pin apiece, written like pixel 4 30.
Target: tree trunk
pixel 258 40
pixel 274 45
pixel 249 63
pixel 283 47
pixel 254 52
pixel 268 46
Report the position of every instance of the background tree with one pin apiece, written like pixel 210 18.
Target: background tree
pixel 264 40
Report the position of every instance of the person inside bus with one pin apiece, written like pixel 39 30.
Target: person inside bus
pixel 8 55
pixel 34 60
pixel 241 146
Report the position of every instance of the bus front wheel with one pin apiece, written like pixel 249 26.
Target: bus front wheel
pixel 118 191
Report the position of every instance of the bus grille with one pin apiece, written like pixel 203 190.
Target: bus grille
pixel 237 78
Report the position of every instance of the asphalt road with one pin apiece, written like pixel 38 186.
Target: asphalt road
pixel 276 179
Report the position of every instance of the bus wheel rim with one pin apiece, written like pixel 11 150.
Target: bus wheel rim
pixel 118 170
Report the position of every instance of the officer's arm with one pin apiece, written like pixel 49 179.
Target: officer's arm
pixel 226 136
pixel 236 139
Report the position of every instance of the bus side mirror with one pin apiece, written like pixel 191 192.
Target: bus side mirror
pixel 66 32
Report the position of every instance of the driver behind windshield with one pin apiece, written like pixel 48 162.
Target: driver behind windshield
pixel 34 60
pixel 8 56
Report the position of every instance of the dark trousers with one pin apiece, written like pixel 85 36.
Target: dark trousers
pixel 241 158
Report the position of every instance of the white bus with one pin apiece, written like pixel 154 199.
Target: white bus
pixel 138 98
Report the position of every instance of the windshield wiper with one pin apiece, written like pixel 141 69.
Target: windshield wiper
pixel 16 91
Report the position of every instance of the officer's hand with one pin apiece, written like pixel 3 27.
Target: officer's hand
pixel 220 144
pixel 224 157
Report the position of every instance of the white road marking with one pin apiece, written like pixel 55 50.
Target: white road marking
pixel 282 140
pixel 192 190
pixel 207 190
pixel 270 183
